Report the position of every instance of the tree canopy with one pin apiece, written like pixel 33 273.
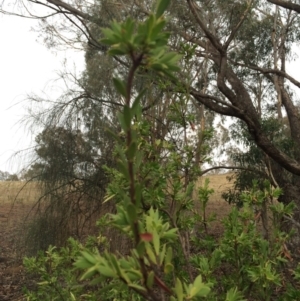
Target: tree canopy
pixel 234 58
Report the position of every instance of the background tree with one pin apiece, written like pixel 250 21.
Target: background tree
pixel 237 54
pixel 76 144
pixel 159 265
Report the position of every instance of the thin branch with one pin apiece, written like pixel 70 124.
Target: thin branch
pixel 208 34
pixel 292 220
pixel 232 167
pixel 286 4
pixel 269 71
pixel 234 31
pixel 67 7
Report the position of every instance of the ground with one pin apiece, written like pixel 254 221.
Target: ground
pixel 15 205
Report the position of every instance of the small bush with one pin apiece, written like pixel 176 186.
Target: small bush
pixel 168 259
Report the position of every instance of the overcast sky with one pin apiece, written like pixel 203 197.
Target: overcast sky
pixel 26 66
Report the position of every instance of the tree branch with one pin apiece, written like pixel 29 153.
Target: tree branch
pixel 231 167
pixel 270 71
pixel 215 42
pixel 286 4
pixel 213 103
pixel 67 7
pixel 234 31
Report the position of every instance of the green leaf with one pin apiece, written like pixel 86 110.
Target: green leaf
pixel 134 275
pixel 106 271
pixel 115 263
pixel 159 25
pixel 120 86
pixel 122 121
pixel 121 154
pixel 124 264
pixel 200 289
pixel 150 253
pixel 169 255
pixel 150 279
pixel 108 198
pixel 113 134
pixel 88 273
pixel 137 287
pixel 131 151
pixel 168 268
pixel 43 283
pixel 138 159
pixel 179 290
pixel 89 257
pixel 127 116
pixel 118 50
pixel 82 263
pixel 123 169
pixel 162 254
pixel 129 27
pixel 141 248
pixel 171 234
pixel 131 211
pixel 136 106
pixel 162 5
pixel 138 193
pixel 111 37
pixel 156 241
pixel 170 57
pixel 72 296
pixel 234 295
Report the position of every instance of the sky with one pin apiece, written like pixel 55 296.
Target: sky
pixel 26 67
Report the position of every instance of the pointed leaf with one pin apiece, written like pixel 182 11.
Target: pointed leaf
pixel 106 271
pixel 136 106
pixel 131 150
pixel 127 116
pixel 156 242
pixel 162 254
pixel 168 268
pixel 161 7
pixel 131 211
pixel 123 169
pixel 169 255
pixel 150 279
pixel 137 287
pixel 150 253
pixel 114 135
pixel 116 50
pixel 179 290
pixel 120 86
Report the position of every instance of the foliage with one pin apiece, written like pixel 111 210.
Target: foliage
pixel 6 176
pixel 72 180
pixel 156 212
pixel 256 166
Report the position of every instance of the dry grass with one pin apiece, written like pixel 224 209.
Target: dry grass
pixel 219 183
pixel 14 193
pixel 216 206
pixel 16 201
pixel 20 193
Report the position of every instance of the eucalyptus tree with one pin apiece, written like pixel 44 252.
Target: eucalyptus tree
pixel 234 63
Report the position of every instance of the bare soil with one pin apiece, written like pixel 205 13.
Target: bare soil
pixel 15 207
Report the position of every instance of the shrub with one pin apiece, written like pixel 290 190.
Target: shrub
pixel 155 211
